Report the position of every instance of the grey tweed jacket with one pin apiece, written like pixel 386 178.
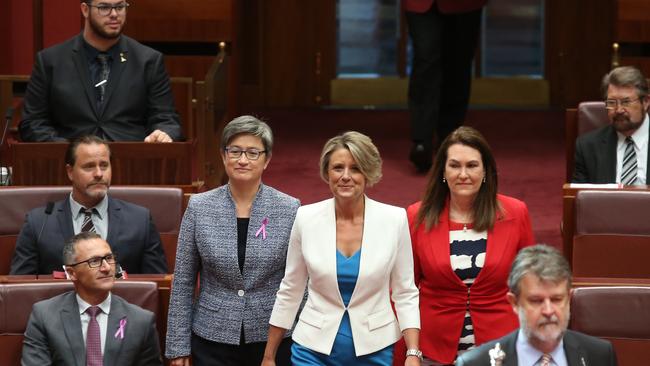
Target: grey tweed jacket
pixel 207 246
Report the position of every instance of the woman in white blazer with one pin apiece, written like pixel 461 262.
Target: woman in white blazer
pixel 352 253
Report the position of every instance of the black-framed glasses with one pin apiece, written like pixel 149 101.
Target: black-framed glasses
pixel 236 153
pixel 95 262
pixel 105 9
pixel 613 104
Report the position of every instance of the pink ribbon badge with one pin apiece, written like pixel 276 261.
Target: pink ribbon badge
pixel 120 331
pixel 262 228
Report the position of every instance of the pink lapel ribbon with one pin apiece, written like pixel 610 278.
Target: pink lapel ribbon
pixel 262 228
pixel 120 331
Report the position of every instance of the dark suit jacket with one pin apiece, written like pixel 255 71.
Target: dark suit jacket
pixel 580 350
pixel 53 335
pixel 60 102
pixel 131 233
pixel 595 157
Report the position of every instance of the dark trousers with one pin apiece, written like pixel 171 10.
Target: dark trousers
pixel 208 353
pixel 443 49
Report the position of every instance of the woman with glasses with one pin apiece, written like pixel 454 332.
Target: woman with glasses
pixel 354 255
pixel 233 240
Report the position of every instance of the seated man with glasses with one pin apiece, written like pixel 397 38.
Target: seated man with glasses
pixel 618 152
pixel 90 326
pixel 100 82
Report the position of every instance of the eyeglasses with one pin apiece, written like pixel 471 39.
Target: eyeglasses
pixel 613 104
pixel 236 152
pixel 95 262
pixel 105 9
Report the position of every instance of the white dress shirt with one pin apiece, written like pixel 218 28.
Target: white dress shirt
pixel 99 217
pixel 640 137
pixel 102 318
pixel 527 355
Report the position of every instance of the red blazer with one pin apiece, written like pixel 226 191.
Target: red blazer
pixel 443 295
pixel 444 6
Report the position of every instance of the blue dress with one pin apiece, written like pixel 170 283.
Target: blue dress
pixel 342 354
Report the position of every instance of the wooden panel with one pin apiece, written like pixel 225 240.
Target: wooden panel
pixel 643 63
pixel 176 20
pixel 132 163
pixel 578 43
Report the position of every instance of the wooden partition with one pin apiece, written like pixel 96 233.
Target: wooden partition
pixel 135 163
pixel 633 34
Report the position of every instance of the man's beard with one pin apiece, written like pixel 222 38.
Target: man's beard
pixel 624 124
pixel 98 29
pixel 535 335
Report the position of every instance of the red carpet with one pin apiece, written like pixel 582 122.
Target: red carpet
pixel 528 147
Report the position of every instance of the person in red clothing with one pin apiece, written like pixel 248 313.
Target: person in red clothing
pixel 465 236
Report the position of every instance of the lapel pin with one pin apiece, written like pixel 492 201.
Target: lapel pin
pixel 496 355
pixel 122 57
pixel 262 228
pixel 120 330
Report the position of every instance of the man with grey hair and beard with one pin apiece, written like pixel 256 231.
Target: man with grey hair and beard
pixel 540 294
pixel 618 152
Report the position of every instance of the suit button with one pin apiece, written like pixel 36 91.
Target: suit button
pixel 240 293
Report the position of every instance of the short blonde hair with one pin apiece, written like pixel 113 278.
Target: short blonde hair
pixel 361 148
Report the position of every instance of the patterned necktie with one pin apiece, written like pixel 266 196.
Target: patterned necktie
pixel 545 360
pixel 88 221
pixel 93 339
pixel 628 175
pixel 104 70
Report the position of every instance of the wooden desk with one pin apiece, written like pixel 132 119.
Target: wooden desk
pixel 569 192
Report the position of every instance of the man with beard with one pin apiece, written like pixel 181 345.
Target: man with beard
pixel 618 152
pixel 540 291
pixel 90 326
pixel 100 82
pixel 127 227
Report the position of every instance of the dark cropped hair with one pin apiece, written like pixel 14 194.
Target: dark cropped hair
pixel 625 76
pixel 485 207
pixel 543 261
pixel 71 151
pixel 69 248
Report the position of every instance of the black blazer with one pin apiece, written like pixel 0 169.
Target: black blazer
pixel 132 235
pixel 580 350
pixel 60 101
pixel 595 157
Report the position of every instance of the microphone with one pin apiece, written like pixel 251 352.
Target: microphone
pixel 8 117
pixel 48 211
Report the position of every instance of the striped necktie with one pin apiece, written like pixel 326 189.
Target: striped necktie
pixel 88 221
pixel 93 339
pixel 629 171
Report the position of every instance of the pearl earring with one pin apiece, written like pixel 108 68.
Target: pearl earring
pixel 444 180
pixel 483 179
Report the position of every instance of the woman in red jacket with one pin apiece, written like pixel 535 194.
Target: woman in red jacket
pixel 465 237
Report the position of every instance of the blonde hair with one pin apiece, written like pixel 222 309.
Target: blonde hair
pixel 361 148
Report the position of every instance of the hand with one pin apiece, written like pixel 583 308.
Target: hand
pixel 158 136
pixel 180 361
pixel 412 361
pixel 268 362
